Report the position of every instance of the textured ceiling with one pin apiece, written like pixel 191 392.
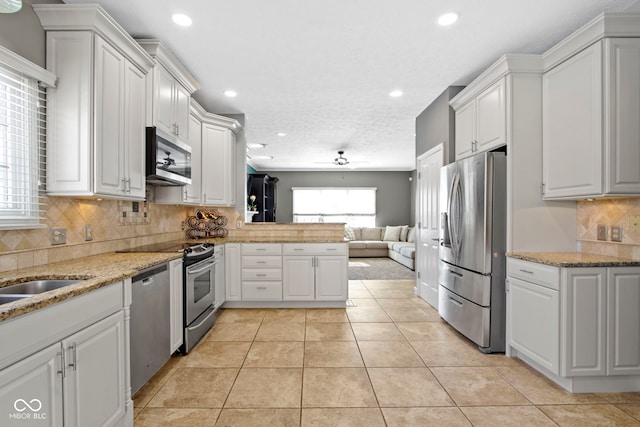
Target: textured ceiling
pixel 321 71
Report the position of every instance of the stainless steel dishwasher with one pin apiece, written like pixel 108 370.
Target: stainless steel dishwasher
pixel 150 340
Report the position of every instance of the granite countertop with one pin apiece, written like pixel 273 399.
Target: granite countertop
pixel 264 239
pixel 94 271
pixel 574 259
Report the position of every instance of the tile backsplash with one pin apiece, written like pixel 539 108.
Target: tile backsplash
pixel 609 212
pixel 116 225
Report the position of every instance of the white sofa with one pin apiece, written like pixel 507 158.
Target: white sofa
pixel 395 242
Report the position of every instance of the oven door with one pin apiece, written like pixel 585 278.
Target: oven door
pixel 199 288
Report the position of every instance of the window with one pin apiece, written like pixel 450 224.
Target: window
pixel 22 141
pixel 354 206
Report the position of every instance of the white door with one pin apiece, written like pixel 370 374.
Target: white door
pixel 215 165
pixel 182 112
pixel 175 305
pixel 583 331
pixel 109 120
pixel 331 278
pixel 623 337
pixel 134 130
pixel 429 165
pixel 33 388
pixel 193 192
pixel 163 98
pixel 298 281
pixel 95 382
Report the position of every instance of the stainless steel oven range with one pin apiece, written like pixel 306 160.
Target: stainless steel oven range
pixel 199 292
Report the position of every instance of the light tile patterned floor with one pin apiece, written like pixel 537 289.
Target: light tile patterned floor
pixel 390 361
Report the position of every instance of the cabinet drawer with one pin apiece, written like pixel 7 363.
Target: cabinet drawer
pixel 261 274
pixel 261 291
pixel 261 261
pixel 314 249
pixel 544 275
pixel 261 249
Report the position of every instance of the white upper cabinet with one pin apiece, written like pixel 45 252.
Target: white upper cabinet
pixel 96 112
pixel 213 169
pixel 481 122
pixel 591 105
pixel 170 87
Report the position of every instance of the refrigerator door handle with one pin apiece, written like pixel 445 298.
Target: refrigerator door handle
pixel 455 209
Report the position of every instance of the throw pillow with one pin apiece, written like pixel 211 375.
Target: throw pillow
pixel 348 233
pixel 404 232
pixel 372 233
pixel 392 234
pixel 411 237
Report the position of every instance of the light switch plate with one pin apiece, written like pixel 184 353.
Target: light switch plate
pixel 58 236
pixel 635 223
pixel 602 232
pixel 616 233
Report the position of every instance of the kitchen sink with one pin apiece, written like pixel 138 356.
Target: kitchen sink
pixel 35 287
pixel 5 299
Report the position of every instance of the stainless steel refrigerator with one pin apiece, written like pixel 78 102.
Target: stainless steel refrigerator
pixel 472 248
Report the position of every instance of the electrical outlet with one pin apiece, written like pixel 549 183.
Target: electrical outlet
pixel 616 233
pixel 88 233
pixel 602 232
pixel 58 236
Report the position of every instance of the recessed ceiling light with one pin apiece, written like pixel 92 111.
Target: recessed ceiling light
pixel 395 93
pixel 448 19
pixel 180 19
pixel 254 146
pixel 261 157
pixel 281 134
pixel 230 93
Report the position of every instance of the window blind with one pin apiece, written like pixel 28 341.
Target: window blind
pixel 22 149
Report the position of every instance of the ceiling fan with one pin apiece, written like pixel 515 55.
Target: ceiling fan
pixel 341 160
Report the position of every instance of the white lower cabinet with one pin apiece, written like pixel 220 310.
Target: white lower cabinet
pixel 233 271
pixel 577 323
pixel 79 380
pixel 176 304
pixel 534 321
pixel 287 272
pixel 315 271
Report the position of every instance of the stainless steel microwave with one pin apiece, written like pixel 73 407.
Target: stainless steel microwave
pixel 168 159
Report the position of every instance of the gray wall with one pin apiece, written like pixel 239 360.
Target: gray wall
pixel 393 198
pixel 436 124
pixel 22 33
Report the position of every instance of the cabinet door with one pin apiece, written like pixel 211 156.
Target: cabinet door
pixel 231 184
pixel 465 129
pixel 181 114
pixel 33 388
pixel 94 393
pixel 623 338
pixel 583 328
pixel 298 282
pixel 193 192
pixel 622 128
pixel 233 271
pixel 134 130
pixel 215 165
pixel 163 100
pixel 534 322
pixel 331 278
pixel 572 126
pixel 175 304
pixel 491 114
pixel 221 278
pixel 109 120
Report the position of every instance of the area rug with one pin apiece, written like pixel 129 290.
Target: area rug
pixel 378 269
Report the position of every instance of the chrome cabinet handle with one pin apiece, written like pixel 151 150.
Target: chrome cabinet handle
pixel 527 271
pixel 73 350
pixel 261 288
pixel 261 275
pixel 63 369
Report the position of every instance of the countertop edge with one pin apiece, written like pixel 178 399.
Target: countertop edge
pixel 573 259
